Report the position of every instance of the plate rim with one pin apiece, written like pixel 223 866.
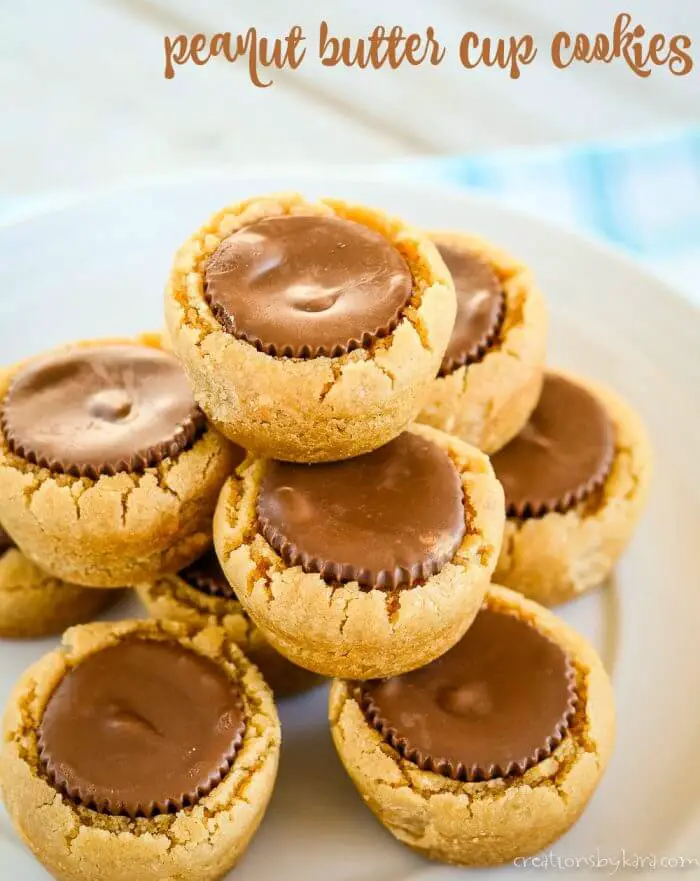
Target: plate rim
pixel 348 174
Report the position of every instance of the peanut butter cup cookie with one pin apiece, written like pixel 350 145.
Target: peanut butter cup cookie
pixel 34 604
pixel 109 472
pixel 201 595
pixel 311 332
pixel 140 750
pixel 575 481
pixel 491 374
pixel 490 752
pixel 367 567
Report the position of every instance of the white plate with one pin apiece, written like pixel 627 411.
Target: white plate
pixel 97 268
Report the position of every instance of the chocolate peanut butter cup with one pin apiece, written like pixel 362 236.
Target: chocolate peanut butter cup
pixel 386 520
pixel 302 286
pixel 207 576
pixel 141 728
pixel 206 597
pixel 562 455
pixel 480 307
pixel 496 704
pixel 491 752
pixel 100 410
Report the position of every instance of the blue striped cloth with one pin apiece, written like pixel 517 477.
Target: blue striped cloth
pixel 642 195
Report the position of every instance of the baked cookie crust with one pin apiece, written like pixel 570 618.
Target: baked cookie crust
pixel 117 530
pixel 486 403
pixel 78 844
pixel 34 604
pixel 172 598
pixel 345 630
pixel 556 557
pixel 492 822
pixel 318 409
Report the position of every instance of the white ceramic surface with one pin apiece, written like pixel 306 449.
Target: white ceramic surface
pixel 97 268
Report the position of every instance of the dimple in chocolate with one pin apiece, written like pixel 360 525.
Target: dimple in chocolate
pixel 140 728
pixel 387 519
pixel 480 307
pixel 307 286
pixel 563 453
pixel 100 410
pixel 496 704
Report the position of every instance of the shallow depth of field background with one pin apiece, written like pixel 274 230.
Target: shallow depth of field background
pixel 84 101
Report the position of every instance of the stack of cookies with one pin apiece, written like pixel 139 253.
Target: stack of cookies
pixel 347 433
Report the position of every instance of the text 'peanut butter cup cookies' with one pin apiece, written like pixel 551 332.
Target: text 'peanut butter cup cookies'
pixel 575 481
pixel 141 737
pixel 119 465
pixel 375 565
pixel 201 595
pixel 491 375
pixel 311 332
pixel 33 603
pixel 490 752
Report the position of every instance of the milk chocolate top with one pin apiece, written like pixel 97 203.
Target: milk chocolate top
pixel 141 728
pixel 387 519
pixel 480 306
pixel 563 453
pixel 307 286
pixel 5 541
pixel 100 410
pixel 207 576
pixel 497 703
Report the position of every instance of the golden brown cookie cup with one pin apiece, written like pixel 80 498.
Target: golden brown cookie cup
pixel 76 843
pixel 116 530
pixel 344 630
pixel 172 598
pixel 490 822
pixel 316 409
pixel 486 403
pixel 34 604
pixel 558 556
